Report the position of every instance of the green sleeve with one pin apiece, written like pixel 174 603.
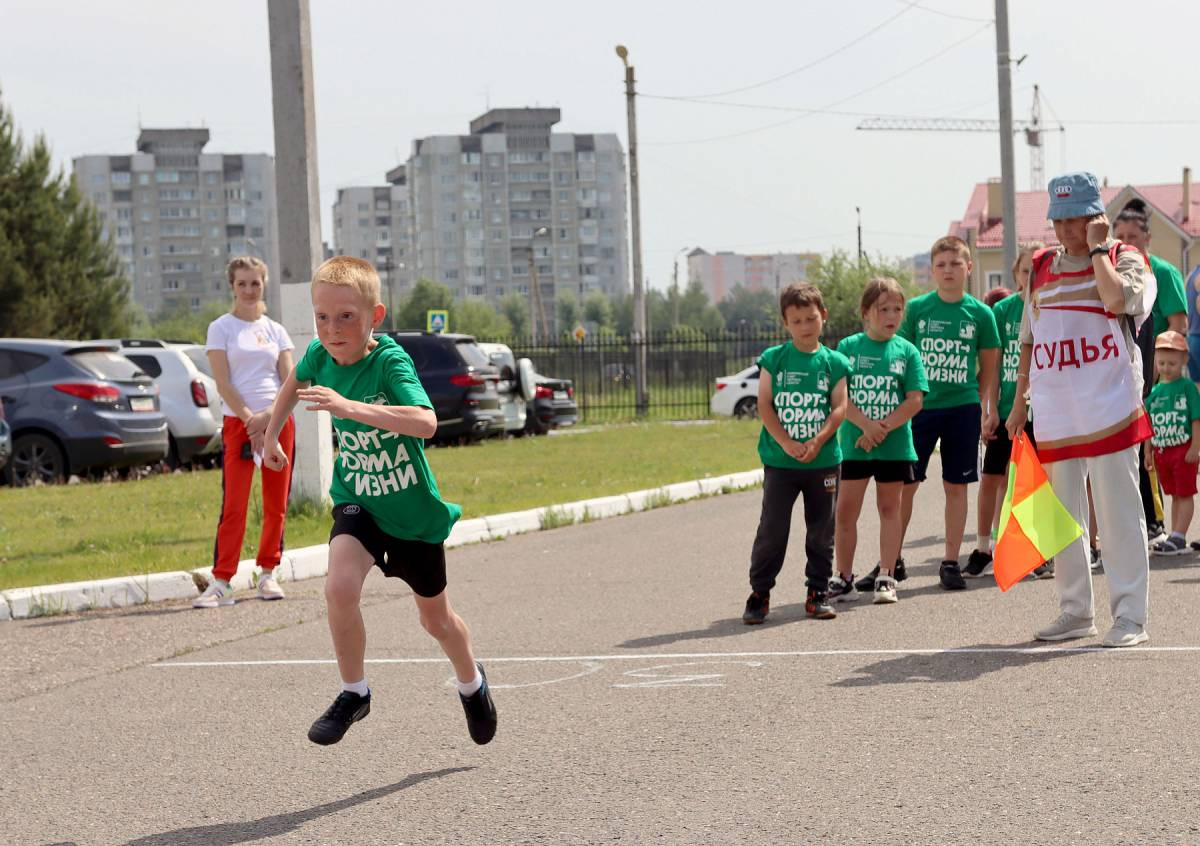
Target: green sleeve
pixel 998 314
pixel 1171 298
pixel 914 373
pixel 840 366
pixel 306 367
pixel 1193 398
pixel 989 336
pixel 908 324
pixel 403 385
pixel 769 360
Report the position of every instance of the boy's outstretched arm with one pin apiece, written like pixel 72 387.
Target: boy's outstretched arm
pixel 273 454
pixel 417 421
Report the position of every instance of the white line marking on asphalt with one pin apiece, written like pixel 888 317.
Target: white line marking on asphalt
pixel 658 656
pixel 589 667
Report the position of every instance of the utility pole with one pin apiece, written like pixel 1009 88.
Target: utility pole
pixel 391 304
pixel 639 292
pixel 1007 177
pixel 858 212
pixel 537 310
pixel 299 210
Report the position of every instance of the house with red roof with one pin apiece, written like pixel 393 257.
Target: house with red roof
pixel 1174 225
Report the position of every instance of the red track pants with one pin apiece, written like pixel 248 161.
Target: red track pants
pixel 236 476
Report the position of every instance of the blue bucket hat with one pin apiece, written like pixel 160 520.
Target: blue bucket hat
pixel 1074 195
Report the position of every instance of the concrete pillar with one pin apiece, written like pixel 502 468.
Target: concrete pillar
pixel 297 201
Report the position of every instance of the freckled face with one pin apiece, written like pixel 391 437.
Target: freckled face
pixel 344 321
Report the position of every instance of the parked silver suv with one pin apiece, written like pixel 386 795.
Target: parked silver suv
pixel 188 393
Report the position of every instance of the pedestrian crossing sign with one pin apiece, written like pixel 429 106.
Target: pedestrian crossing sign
pixel 437 320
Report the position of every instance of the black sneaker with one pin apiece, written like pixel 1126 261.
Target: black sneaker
pixel 817 605
pixel 901 572
pixel 979 564
pixel 1044 571
pixel 1097 564
pixel 481 711
pixel 757 608
pixel 345 711
pixel 842 590
pixel 951 576
pixel 867 582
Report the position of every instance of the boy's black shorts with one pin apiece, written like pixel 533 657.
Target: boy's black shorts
pixel 957 428
pixel 998 451
pixel 881 471
pixel 422 565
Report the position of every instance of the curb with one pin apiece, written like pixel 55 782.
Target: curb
pixel 311 562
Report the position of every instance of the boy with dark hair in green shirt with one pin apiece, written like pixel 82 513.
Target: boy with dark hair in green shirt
pixel 387 511
pixel 802 401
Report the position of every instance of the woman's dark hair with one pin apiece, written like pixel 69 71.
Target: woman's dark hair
pixel 1135 210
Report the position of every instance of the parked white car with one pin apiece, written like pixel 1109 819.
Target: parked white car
pixel 737 395
pixel 188 394
pixel 516 388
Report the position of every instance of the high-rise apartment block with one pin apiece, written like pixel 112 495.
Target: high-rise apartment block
pixel 481 213
pixel 721 272
pixel 176 215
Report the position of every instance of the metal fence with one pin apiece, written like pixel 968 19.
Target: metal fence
pixel 681 370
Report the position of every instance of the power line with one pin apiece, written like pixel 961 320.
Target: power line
pixel 949 14
pixel 828 107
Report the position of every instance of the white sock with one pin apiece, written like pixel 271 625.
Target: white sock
pixel 469 688
pixel 359 687
pixel 983 542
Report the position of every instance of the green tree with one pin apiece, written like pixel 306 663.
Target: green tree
pixel 598 310
pixel 569 311
pixel 181 323
pixel 425 295
pixel 746 309
pixel 842 279
pixel 59 278
pixel 515 309
pixel 473 317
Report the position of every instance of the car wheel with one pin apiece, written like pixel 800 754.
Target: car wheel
pixel 37 458
pixel 746 409
pixel 533 426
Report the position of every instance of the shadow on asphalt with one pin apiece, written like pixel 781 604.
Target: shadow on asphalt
pixel 726 627
pixel 229 834
pixel 946 667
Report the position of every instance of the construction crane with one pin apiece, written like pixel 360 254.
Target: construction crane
pixel 1033 129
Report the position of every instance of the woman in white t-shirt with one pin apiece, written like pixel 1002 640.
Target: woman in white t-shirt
pixel 251 355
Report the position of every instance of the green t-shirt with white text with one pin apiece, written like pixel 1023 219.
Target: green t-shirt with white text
pixel 1008 323
pixel 1172 407
pixel 801 384
pixel 1171 298
pixel 384 472
pixel 881 375
pixel 949 337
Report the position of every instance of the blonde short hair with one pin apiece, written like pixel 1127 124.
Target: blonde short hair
pixel 350 272
pixel 248 263
pixel 950 244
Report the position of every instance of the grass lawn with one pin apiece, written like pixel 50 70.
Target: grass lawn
pixel 94 531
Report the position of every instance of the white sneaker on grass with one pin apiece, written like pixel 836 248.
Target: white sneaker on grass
pixel 1067 627
pixel 217 593
pixel 268 586
pixel 1125 633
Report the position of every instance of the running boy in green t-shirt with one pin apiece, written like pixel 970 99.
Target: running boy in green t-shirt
pixel 802 401
pixel 387 510
pixel 957 337
pixel 1174 407
pixel 886 386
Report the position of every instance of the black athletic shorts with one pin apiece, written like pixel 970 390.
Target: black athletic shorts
pixel 881 471
pixel 422 565
pixel 998 451
pixel 957 428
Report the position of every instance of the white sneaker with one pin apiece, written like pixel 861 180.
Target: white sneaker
pixel 1067 627
pixel 268 586
pixel 1125 633
pixel 885 590
pixel 217 593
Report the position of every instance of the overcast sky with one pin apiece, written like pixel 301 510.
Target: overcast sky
pixel 86 74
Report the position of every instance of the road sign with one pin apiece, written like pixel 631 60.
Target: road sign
pixel 437 320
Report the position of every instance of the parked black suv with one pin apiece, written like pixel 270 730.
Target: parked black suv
pixel 461 382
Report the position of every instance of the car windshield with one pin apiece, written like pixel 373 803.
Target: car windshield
pixel 473 355
pixel 104 364
pixel 199 358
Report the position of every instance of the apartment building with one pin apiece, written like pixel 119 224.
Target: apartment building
pixel 486 211
pixel 176 215
pixel 723 271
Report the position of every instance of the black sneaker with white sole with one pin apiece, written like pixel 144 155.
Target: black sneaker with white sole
pixel 951 576
pixel 901 572
pixel 345 711
pixel 979 564
pixel 867 582
pixel 757 607
pixel 842 590
pixel 480 711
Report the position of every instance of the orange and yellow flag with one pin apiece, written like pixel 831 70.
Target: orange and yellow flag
pixel 1034 524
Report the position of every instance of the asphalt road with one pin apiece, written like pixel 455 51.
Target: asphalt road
pixel 635 707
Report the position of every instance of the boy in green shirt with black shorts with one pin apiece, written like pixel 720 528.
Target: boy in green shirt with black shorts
pixel 387 511
pixel 960 347
pixel 802 401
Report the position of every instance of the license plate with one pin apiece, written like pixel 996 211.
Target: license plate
pixel 141 403
pixel 560 395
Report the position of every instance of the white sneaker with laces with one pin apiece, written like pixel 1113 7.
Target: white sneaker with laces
pixel 268 586
pixel 1067 627
pixel 217 593
pixel 885 590
pixel 1125 633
